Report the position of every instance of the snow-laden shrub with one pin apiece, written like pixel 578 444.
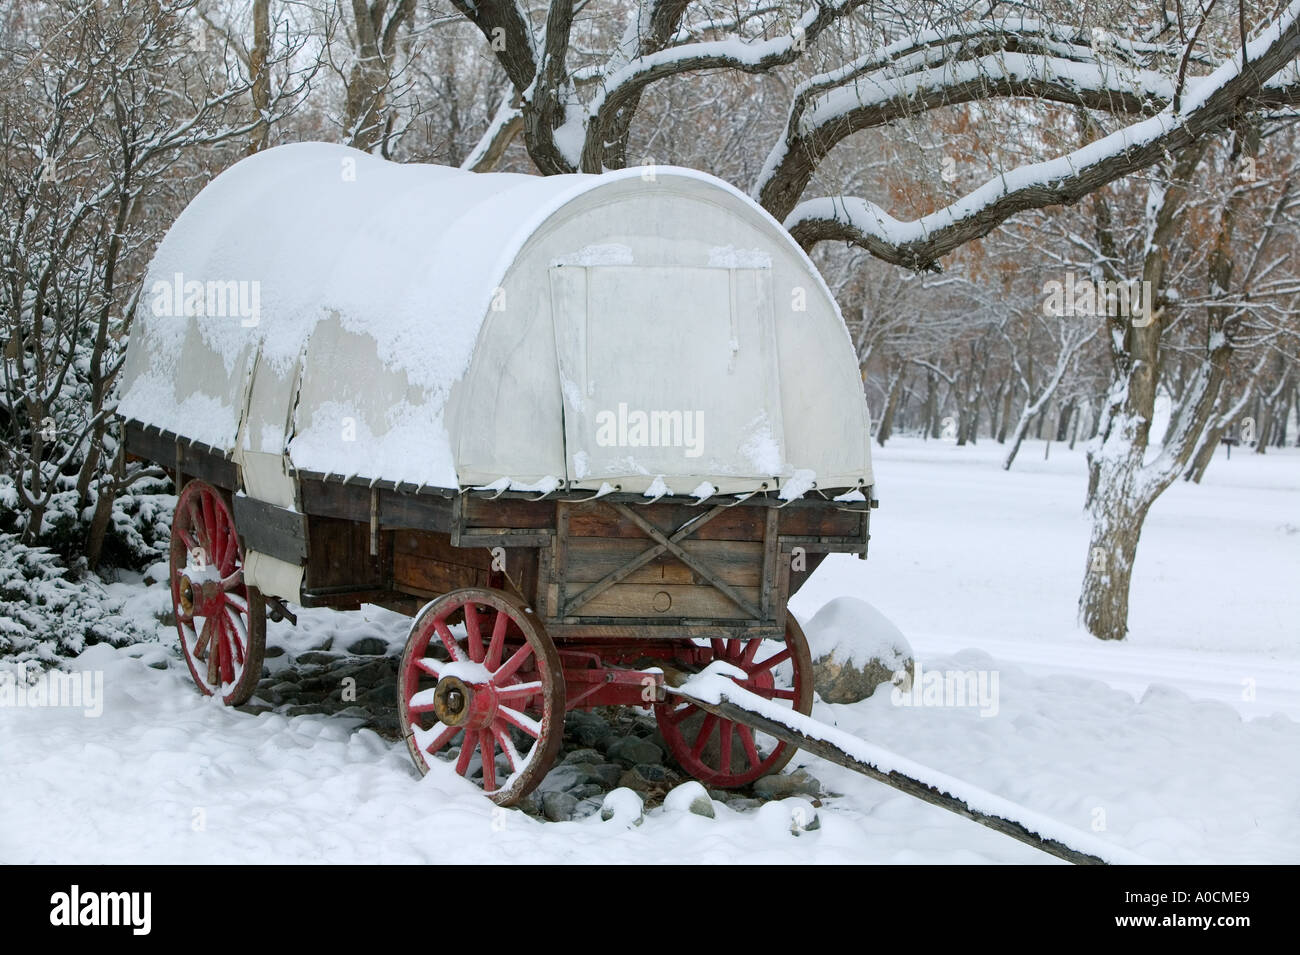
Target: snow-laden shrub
pixel 137 534
pixel 46 613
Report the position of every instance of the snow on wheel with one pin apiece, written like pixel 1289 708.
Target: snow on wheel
pixel 221 621
pixel 481 685
pixel 726 754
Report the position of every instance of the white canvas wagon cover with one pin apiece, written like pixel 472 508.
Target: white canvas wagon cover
pixel 650 329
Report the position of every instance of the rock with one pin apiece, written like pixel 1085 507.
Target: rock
pixel 855 648
pixel 608 772
pixel 157 665
pixel 586 791
pixel 582 756
pixel 272 651
pixel 743 804
pixel 531 804
pixel 630 751
pixel 309 709
pixel 282 692
pixel 317 657
pixel 623 806
pixel 369 647
pixel 558 806
pixel 690 797
pixel 588 807
pixel 569 776
pixel 780 785
pixel 644 777
pixel 589 729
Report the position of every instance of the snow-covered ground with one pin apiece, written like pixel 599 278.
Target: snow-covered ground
pixel 1180 744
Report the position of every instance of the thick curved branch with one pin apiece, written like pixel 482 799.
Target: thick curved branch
pixel 1209 105
pixel 624 85
pixel 505 27
pixel 967 63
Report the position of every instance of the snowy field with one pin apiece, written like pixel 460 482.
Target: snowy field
pixel 1181 744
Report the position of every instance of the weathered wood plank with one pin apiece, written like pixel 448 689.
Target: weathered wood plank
pixel 505 512
pixel 433 578
pixel 668 601
pixel 597 519
pixel 273 530
pixel 338 555
pixel 735 562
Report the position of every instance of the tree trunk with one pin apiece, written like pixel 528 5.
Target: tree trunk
pixel 886 426
pixel 1116 527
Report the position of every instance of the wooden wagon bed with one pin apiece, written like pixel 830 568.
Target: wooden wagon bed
pixel 593 568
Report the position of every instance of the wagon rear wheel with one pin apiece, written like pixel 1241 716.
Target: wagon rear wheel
pixel 480 685
pixel 727 754
pixel 221 621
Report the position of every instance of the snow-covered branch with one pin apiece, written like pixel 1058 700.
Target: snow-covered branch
pixel 1209 104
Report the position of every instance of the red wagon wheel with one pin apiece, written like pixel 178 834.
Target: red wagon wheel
pixel 221 621
pixel 487 692
pixel 727 754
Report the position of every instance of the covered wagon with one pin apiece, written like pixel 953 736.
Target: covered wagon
pixel 591 432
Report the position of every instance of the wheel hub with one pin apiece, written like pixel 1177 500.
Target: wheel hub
pixel 187 596
pixel 457 703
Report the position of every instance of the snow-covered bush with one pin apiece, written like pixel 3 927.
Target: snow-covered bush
pixel 46 613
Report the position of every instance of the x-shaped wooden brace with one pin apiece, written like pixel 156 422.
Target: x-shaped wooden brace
pixel 671 545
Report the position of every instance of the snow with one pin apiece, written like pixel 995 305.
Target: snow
pixel 1178 745
pixel 798 484
pixel 729 257
pixel 714 686
pixel 608 253
pixel 855 632
pixel 402 262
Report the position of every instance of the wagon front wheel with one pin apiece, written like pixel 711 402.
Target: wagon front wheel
pixel 727 754
pixel 480 686
pixel 221 620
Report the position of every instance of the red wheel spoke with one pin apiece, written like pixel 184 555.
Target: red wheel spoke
pixel 733 648
pixel 751 648
pixel 473 636
pixel 770 661
pixel 725 728
pixel 448 640
pixel 467 747
pixel 196 526
pixel 186 538
pixel 498 640
pixel 487 746
pixel 775 694
pixel 747 741
pixel 702 740
pixel 520 692
pixel 227 663
pixel 226 566
pixel 719 647
pixel 676 716
pixel 429 666
pixel 205 637
pixel 508 668
pixel 520 722
pixel 238 636
pixel 507 746
pixel 209 525
pixel 442 739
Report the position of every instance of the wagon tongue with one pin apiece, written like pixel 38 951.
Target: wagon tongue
pixel 714 691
